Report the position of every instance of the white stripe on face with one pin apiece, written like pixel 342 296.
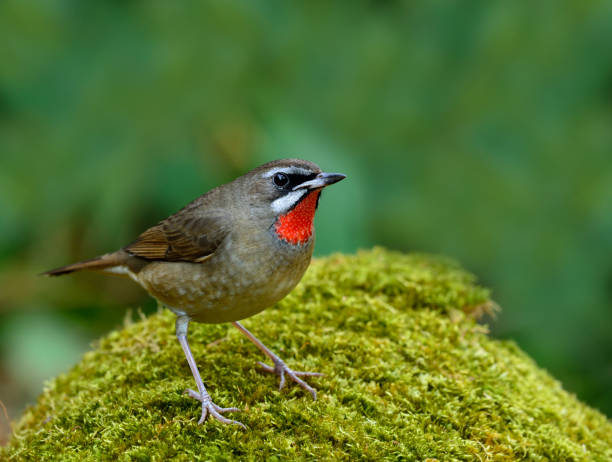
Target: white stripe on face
pixel 285 203
pixel 288 171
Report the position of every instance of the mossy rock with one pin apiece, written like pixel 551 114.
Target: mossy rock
pixel 410 375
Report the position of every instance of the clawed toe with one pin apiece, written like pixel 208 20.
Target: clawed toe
pixel 280 369
pixel 208 407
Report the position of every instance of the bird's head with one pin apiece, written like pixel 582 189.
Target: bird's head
pixel 288 192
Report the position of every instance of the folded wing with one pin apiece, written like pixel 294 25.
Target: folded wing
pixel 181 237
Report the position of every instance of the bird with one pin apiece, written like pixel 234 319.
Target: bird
pixel 227 255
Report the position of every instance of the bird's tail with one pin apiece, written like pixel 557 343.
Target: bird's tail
pixel 100 263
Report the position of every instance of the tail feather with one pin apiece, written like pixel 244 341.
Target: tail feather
pixel 96 264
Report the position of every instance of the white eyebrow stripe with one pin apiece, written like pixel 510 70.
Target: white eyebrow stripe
pixel 288 170
pixel 284 203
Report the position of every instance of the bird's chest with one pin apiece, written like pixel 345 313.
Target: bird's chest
pixel 270 272
pixel 249 273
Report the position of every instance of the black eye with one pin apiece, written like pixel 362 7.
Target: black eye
pixel 281 180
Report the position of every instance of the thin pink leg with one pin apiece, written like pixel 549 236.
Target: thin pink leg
pixel 280 368
pixel 208 407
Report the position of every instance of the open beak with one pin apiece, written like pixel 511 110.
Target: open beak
pixel 323 179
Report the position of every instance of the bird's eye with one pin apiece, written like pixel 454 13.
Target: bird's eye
pixel 281 180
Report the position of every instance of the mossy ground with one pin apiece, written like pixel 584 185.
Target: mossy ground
pixel 409 376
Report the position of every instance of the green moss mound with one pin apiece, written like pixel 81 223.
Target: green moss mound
pixel 409 376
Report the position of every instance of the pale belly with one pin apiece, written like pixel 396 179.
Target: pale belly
pixel 223 290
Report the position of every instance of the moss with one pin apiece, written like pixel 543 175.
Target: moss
pixel 410 376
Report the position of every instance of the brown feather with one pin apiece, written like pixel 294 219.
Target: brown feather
pixel 99 263
pixel 184 236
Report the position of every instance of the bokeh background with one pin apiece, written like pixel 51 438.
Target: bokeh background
pixel 480 130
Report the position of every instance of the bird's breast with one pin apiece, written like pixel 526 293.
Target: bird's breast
pixel 250 272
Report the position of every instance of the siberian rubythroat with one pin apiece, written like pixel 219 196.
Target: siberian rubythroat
pixel 227 255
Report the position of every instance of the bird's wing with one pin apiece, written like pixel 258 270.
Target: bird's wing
pixel 181 237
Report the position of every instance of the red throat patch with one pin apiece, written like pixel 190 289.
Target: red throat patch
pixel 296 225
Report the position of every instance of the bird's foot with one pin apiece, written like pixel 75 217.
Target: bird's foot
pixel 210 408
pixel 280 369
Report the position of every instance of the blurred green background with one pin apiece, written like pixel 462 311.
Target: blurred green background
pixel 480 130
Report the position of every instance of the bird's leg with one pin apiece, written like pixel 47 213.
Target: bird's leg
pixel 208 407
pixel 280 368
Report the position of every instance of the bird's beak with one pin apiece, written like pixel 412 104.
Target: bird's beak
pixel 322 179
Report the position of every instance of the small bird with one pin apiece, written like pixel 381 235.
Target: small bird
pixel 227 255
